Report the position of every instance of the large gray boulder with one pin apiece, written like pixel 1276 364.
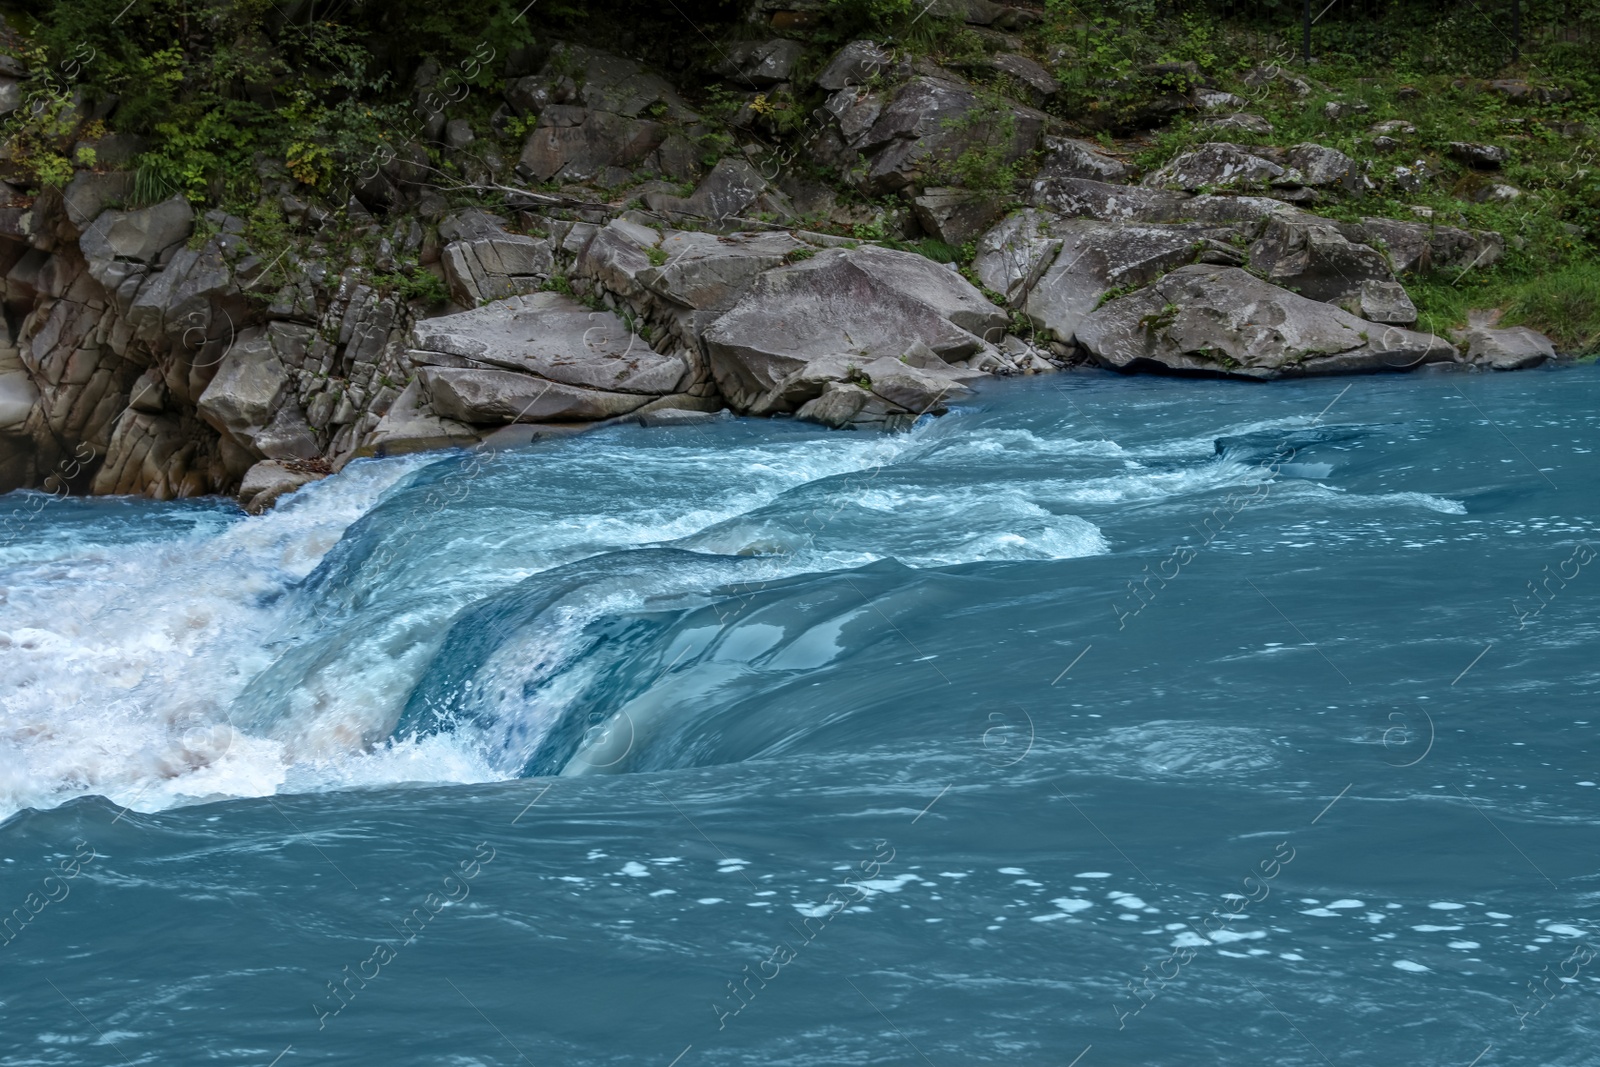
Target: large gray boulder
pixel 1217 165
pixel 1233 210
pixel 1480 156
pixel 1067 157
pixel 706 273
pixel 411 425
pixel 857 305
pixel 927 126
pixel 1224 321
pixel 689 269
pixel 1087 198
pixel 884 393
pixel 731 189
pixel 1317 165
pixel 1011 257
pixel 617 254
pixel 1240 122
pixel 1380 301
pixel 251 399
pixel 598 81
pixel 1099 257
pixel 956 216
pixel 138 235
pixel 495 267
pixel 856 64
pixel 1513 348
pixel 760 63
pixel 1038 82
pixel 1223 165
pixel 576 143
pixel 271 479
pixel 934 285
pixel 89 192
pixel 1421 247
pixel 1311 255
pixel 487 397
pixel 552 337
pixel 18 394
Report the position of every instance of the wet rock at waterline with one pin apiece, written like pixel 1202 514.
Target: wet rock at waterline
pixel 1225 321
pixel 858 305
pixel 1512 348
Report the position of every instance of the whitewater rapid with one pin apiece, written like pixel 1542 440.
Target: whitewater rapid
pixel 375 628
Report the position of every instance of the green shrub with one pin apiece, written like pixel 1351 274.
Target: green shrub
pixel 1564 305
pixel 986 134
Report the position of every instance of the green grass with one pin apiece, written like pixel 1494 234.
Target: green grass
pixel 1563 304
pixel 1549 277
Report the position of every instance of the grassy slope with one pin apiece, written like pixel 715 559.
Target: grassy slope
pixel 335 101
pixel 1550 276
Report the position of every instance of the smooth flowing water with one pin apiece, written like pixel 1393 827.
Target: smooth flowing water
pixel 1105 721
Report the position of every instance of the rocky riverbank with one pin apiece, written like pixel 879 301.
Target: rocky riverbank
pixel 612 272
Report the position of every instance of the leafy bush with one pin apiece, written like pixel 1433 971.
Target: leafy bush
pixel 983 164
pixel 1565 306
pixel 419 283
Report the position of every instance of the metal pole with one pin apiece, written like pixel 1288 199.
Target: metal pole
pixel 1307 32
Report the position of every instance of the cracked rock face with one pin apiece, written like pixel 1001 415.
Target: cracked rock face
pixel 539 357
pixel 1220 165
pixel 1224 321
pixel 1071 158
pixel 856 305
pixel 929 122
pixel 1087 198
pixel 1512 348
pixel 1310 255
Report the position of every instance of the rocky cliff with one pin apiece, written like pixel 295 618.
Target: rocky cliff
pixel 615 271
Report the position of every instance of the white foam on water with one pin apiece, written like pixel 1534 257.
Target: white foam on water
pixel 123 656
pixel 1071 904
pixel 1427 501
pixel 1225 937
pixel 133 631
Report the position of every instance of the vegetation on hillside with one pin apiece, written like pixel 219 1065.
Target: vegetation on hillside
pixel 211 99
